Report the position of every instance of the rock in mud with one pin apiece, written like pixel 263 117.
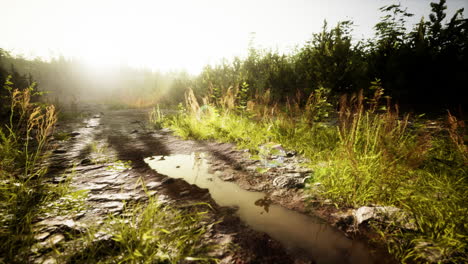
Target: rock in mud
pixel 41 236
pixel 229 177
pixel 184 193
pixel 64 224
pixel 152 185
pixel 386 214
pixel 431 253
pixel 54 239
pixel 288 182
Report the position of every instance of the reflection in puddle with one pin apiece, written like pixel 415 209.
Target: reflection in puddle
pixel 265 203
pixel 294 230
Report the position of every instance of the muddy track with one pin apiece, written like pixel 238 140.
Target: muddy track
pixel 122 135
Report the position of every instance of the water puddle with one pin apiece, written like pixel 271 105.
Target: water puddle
pixel 295 231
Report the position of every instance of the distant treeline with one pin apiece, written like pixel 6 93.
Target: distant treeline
pixel 422 68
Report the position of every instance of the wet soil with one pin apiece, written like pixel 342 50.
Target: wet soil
pixel 101 137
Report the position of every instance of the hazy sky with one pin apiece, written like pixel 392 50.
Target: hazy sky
pixel 172 34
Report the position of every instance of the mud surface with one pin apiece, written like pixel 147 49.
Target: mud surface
pixel 107 152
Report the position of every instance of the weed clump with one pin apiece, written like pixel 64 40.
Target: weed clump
pixel 23 193
pixel 146 233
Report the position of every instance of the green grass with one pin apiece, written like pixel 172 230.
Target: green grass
pixel 369 157
pixel 147 233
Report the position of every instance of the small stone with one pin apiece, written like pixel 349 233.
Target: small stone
pixel 251 168
pixel 54 239
pixel 41 236
pixel 101 235
pixel 288 182
pixel 152 185
pixel 184 193
pixel 387 214
pixel 429 251
pixel 228 178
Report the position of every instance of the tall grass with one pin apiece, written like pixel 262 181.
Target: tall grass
pixel 23 193
pixel 366 154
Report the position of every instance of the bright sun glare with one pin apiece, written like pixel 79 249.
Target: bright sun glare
pixel 157 35
pixel 169 35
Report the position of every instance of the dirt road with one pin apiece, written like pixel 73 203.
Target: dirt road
pixel 106 153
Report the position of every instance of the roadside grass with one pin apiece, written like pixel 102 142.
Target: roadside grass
pixel 23 190
pixel 368 155
pixel 146 233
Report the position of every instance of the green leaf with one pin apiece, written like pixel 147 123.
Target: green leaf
pixel 165 231
pixel 137 253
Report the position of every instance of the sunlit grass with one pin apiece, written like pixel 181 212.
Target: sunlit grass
pixel 147 233
pixel 24 193
pixel 370 157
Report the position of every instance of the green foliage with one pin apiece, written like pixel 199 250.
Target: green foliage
pixel 413 66
pixel 329 61
pixel 373 155
pixel 156 118
pixel 24 194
